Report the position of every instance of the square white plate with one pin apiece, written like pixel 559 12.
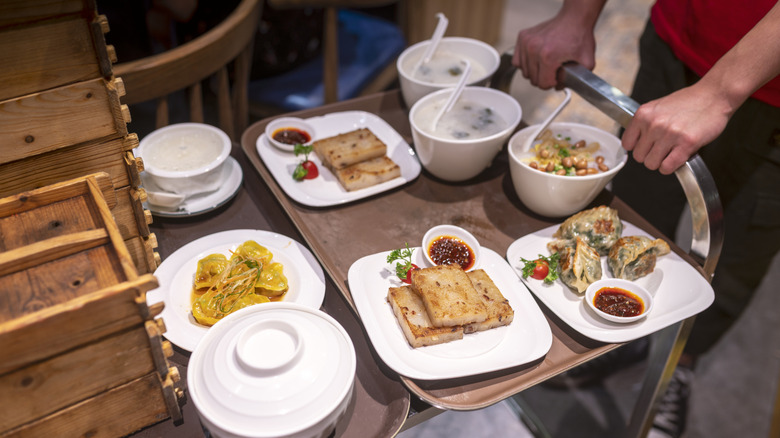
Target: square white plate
pixel 527 338
pixel 679 291
pixel 326 190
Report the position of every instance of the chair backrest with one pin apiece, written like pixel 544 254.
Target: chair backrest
pixel 185 66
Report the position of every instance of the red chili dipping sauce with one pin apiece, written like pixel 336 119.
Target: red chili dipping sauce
pixel 448 250
pixel 618 302
pixel 291 136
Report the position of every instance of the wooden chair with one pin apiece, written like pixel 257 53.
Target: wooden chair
pixel 185 66
pixel 330 41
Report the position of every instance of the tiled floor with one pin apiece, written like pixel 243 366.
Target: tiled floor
pixel 735 383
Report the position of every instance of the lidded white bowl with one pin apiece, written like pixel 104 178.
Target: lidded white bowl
pixel 272 370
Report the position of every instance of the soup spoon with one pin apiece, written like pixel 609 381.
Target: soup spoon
pixel 542 126
pixel 455 94
pixel 438 33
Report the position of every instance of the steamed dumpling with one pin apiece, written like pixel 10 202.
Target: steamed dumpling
pixel 599 226
pixel 632 257
pixel 580 265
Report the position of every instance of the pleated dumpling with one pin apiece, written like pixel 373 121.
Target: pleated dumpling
pixel 209 269
pixel 599 226
pixel 632 257
pixel 580 265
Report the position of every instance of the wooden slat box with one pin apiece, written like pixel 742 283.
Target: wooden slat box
pixel 69 295
pixel 45 44
pixel 111 155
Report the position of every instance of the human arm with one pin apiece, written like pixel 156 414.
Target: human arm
pixel 568 36
pixel 666 132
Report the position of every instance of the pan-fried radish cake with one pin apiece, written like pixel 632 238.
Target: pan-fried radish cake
pixel 499 311
pixel 410 312
pixel 352 147
pixel 448 295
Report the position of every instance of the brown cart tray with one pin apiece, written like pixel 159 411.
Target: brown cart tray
pixel 486 205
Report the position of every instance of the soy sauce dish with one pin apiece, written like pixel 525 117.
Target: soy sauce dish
pixel 286 132
pixel 450 244
pixel 618 300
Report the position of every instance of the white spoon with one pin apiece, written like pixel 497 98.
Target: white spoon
pixel 455 94
pixel 531 138
pixel 438 33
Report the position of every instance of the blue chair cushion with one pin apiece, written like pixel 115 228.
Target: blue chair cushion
pixel 366 46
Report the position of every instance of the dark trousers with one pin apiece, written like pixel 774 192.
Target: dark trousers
pixel 745 163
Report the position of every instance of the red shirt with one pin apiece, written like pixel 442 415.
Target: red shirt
pixel 701 31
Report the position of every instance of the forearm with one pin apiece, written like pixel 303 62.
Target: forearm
pixel 750 64
pixel 583 13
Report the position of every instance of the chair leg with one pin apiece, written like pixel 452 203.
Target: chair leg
pixel 224 107
pixel 161 114
pixel 330 71
pixel 243 65
pixel 195 97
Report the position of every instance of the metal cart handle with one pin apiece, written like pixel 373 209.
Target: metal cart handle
pixel 695 178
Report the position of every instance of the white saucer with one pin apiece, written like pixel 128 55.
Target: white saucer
pixel 232 175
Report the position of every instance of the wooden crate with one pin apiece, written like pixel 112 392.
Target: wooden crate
pixel 61 113
pixel 75 328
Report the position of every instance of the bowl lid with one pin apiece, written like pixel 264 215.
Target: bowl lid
pixel 271 370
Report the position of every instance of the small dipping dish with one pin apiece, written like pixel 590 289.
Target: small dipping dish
pixel 286 132
pixel 618 296
pixel 448 244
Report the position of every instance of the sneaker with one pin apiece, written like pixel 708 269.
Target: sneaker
pixel 669 421
pixel 595 370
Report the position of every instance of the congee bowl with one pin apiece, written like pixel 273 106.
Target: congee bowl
pixel 468 137
pixel 185 158
pixel 273 370
pixel 551 195
pixel 439 73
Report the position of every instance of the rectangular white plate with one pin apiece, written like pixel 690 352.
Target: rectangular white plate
pixel 326 190
pixel 527 338
pixel 679 291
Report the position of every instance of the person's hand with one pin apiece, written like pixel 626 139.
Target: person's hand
pixel 666 132
pixel 541 49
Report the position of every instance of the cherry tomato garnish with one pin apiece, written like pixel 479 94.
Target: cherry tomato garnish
pixel 541 269
pixel 311 170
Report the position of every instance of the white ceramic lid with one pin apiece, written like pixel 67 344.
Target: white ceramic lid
pixel 271 370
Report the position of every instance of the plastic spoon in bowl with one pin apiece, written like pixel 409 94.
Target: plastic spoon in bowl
pixel 438 34
pixel 531 138
pixel 454 96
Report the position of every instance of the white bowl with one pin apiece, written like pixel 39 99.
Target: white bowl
pixel 631 287
pixel 556 195
pixel 278 369
pixel 483 57
pixel 461 159
pixel 288 122
pixel 451 231
pixel 185 158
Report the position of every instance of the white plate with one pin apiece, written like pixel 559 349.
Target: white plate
pixel 326 190
pixel 527 338
pixel 175 275
pixel 199 204
pixel 679 291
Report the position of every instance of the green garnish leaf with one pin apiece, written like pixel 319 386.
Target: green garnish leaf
pixel 405 255
pixel 299 173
